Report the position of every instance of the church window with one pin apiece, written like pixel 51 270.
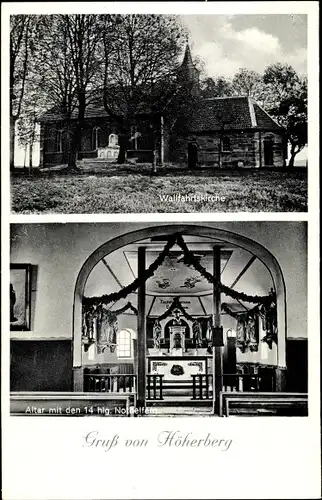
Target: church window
pixel 134 138
pixel 59 141
pixel 226 144
pixel 124 344
pixel 96 138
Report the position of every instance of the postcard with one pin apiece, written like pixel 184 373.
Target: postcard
pixel 160 249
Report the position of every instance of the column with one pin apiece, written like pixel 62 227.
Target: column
pixel 218 350
pixel 141 341
pixel 78 379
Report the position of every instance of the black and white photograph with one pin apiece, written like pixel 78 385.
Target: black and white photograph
pixel 163 320
pixel 20 297
pixel 160 250
pixel 131 113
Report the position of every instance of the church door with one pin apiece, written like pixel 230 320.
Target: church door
pixel 268 153
pixel 192 155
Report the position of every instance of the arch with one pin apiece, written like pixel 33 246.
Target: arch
pixel 264 255
pixel 59 140
pixel 126 348
pixel 96 137
pixel 113 140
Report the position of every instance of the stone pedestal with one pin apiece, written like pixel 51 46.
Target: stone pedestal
pixel 109 153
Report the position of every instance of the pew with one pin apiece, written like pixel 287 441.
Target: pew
pixel 285 403
pixel 71 403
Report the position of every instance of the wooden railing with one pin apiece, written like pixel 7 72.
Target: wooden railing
pixel 103 382
pixel 154 386
pixel 202 386
pixel 236 382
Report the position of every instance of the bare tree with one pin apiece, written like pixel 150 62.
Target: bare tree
pixel 145 56
pixel 20 47
pixel 84 35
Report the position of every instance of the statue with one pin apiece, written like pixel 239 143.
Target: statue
pixel 157 334
pixel 197 334
pixel 176 314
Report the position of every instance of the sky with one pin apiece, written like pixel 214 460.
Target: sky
pixel 227 43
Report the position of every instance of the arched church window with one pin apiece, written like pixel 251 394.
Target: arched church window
pixel 59 141
pixel 96 138
pixel 124 344
pixel 134 137
pixel 226 144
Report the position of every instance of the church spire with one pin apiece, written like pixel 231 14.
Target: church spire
pixel 188 73
pixel 187 60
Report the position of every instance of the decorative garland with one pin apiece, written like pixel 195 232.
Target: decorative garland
pixel 122 294
pixel 225 308
pixel 176 304
pixel 190 259
pixel 129 305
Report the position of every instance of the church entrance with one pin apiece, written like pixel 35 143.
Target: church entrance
pixel 192 155
pixel 268 153
pixel 172 319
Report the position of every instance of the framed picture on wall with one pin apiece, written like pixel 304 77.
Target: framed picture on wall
pixel 20 294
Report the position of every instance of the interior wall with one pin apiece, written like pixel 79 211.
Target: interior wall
pixel 41 366
pixel 59 251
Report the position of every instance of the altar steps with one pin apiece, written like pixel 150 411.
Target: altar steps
pixel 179 401
pixel 179 389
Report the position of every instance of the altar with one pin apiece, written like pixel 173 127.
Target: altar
pixel 111 151
pixel 177 368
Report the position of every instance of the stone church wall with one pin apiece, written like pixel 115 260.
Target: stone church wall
pixel 245 149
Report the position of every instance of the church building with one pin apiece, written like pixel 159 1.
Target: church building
pixel 219 132
pixel 159 319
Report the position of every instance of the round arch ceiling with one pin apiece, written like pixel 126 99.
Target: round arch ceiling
pixel 240 270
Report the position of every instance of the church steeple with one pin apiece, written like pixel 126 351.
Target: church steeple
pixel 188 73
pixel 187 60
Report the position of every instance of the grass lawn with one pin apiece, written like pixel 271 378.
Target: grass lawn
pixel 132 189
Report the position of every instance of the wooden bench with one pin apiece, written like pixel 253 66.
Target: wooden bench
pixel 71 403
pixel 263 401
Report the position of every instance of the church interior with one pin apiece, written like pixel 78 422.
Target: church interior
pixel 169 319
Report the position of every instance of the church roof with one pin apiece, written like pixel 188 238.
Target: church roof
pixel 212 114
pixel 230 113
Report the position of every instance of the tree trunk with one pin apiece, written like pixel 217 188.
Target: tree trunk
pixel 25 156
pixel 154 152
pixel 31 147
pixel 123 143
pixel 77 136
pixel 124 138
pixel 292 157
pixel 12 142
pixel 30 156
pixel 154 160
pixel 72 153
